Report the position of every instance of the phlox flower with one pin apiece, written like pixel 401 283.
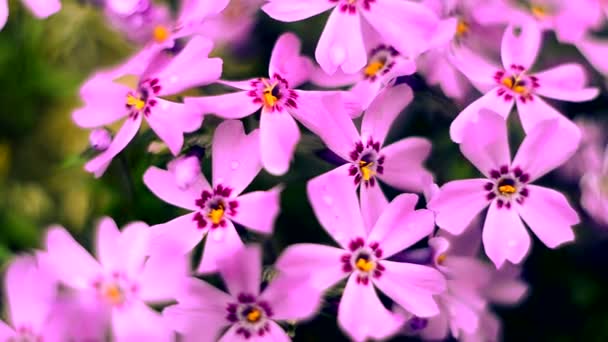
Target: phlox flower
pixel 594 195
pixel 214 207
pixel 108 100
pixel 204 312
pixel 277 97
pixel 363 258
pixel 588 157
pixel 513 83
pixel 507 190
pixel 234 24
pixel 40 9
pixel 405 25
pixel 366 159
pixel 123 279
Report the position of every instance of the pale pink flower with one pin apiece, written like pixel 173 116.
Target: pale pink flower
pixel 40 9
pixel 234 24
pixel 594 191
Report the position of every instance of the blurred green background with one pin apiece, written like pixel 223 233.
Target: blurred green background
pixel 42 64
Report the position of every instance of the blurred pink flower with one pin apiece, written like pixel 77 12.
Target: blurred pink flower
pixel 406 25
pixel 203 312
pixel 594 188
pixel 107 100
pixel 362 259
pixel 125 278
pixel 507 190
pixel 234 24
pixel 366 159
pixel 588 157
pixel 236 162
pixel 514 84
pixel 40 9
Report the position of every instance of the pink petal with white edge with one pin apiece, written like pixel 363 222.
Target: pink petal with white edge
pixel 565 82
pixel 287 62
pixel 235 156
pixel 485 143
pixel 68 260
pixel 549 215
pixel 30 292
pixel 228 106
pixel 43 8
pixel 294 10
pixel 595 51
pixel 341 44
pixel 373 203
pixel 104 103
pixel 190 68
pixel 137 322
pixel 334 200
pixel 196 324
pixel 361 314
pixel 504 236
pixel 168 119
pixel 403 164
pixel 520 49
pixel 412 286
pixel 279 135
pixel 3 13
pixel 259 210
pixel 127 132
pixel 164 185
pixel 471 113
pixel 181 232
pixel 276 334
pixel 321 263
pixel 457 204
pixel 548 145
pixel 383 111
pixel 242 270
pixel 107 241
pixel 400 227
pixel 221 242
pixel 292 297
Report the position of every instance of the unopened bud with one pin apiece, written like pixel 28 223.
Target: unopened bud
pixel 100 139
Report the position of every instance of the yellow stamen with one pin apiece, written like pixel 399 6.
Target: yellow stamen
pixel 254 315
pixel 161 34
pixel 507 189
pixel 114 294
pixel 135 102
pixel 462 28
pixel 540 12
pixel 441 258
pixel 515 84
pixel 366 170
pixel 269 99
pixel 508 82
pixel 373 67
pixel 217 214
pixel 365 265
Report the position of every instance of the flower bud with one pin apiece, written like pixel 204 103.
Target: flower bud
pixel 100 139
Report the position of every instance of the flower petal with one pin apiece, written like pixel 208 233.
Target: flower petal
pixel 6 332
pixel 294 10
pixel 138 322
pixel 321 263
pixel 383 111
pixel 458 202
pixel 163 274
pixel 133 246
pixel 259 210
pixel 43 8
pixel 127 132
pixel 373 203
pixel 504 236
pixel 565 82
pixel 287 62
pixel 334 200
pixel 107 241
pixel 196 324
pixel 221 242
pixel 403 165
pixel 3 14
pixel 242 270
pixel 275 333
pixel 181 232
pixel 228 106
pixel 361 314
pixel 169 121
pixel 548 144
pixel 292 297
pixel 104 103
pixel 164 185
pixel 520 45
pixel 412 286
pixel 341 44
pixel 549 215
pixel 235 156
pixel 279 135
pixel 595 51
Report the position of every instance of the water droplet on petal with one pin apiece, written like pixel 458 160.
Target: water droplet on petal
pixel 234 165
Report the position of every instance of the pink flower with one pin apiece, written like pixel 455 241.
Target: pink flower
pixel 277 97
pixel 366 159
pixel 508 190
pixel 363 258
pixel 234 24
pixel 515 84
pixel 588 157
pixel 203 312
pixel 406 25
pixel 123 280
pixel 214 208
pixel 107 100
pixel 594 196
pixel 40 9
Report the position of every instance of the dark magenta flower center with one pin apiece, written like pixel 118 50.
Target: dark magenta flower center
pixel 116 289
pixel 516 84
pixel 274 93
pixel 507 185
pixel 143 99
pixel 215 207
pixel 366 162
pixel 350 6
pixel 251 315
pixel 363 260
pixel 381 60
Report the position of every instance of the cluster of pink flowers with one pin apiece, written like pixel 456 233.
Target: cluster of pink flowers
pixel 365 47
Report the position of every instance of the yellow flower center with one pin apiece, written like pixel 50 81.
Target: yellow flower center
pixel 270 94
pixel 114 294
pixel 462 28
pixel 161 34
pixel 366 170
pixel 254 315
pixel 217 214
pixel 538 11
pixel 515 83
pixel 373 68
pixel 135 102
pixel 441 259
pixel 364 264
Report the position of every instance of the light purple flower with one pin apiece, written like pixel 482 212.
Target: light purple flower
pixel 107 100
pixel 507 190
pixel 362 258
pixel 203 312
pixel 214 207
pixel 513 83
pixel 40 9
pixel 406 25
pixel 123 279
pixel 594 192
